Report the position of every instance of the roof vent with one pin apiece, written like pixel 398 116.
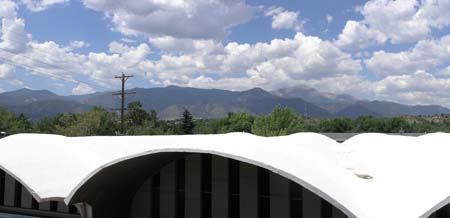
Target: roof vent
pixel 364 176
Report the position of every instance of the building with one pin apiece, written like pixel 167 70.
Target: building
pixel 233 175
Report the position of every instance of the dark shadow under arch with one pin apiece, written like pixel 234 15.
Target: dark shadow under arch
pixel 436 208
pixel 111 188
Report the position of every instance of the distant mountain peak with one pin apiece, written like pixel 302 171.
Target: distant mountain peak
pixel 26 96
pixel 256 90
pixel 212 103
pixel 324 99
pixel 30 91
pixel 172 87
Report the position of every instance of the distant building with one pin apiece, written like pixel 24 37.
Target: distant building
pixel 234 175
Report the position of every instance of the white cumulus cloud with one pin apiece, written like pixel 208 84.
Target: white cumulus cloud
pixel 399 21
pixel 356 36
pixel 6 71
pixel 240 66
pixel 420 87
pixel 284 19
pixel 13 36
pixel 197 19
pixel 76 44
pixel 82 89
pixel 40 5
pixel 8 9
pixel 425 55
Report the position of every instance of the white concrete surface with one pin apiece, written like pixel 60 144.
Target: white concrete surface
pixel 368 176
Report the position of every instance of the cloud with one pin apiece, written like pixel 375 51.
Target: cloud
pixel 197 57
pixel 60 63
pixel 8 9
pixel 78 44
pixel 241 66
pixel 445 71
pixel 177 45
pixel 196 19
pixel 188 60
pixel 420 87
pixel 6 71
pixel 102 67
pixel 356 36
pixel 14 38
pixel 13 35
pixel 435 12
pixel 127 40
pixel 329 18
pixel 48 59
pixel 82 89
pixel 40 5
pixel 284 19
pixel 400 21
pixel 425 55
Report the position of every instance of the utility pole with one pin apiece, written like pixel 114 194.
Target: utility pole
pixel 122 94
pixel 305 111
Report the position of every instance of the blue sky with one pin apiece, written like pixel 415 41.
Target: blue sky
pixel 377 49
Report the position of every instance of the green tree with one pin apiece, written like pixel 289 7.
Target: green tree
pixel 136 115
pixel 147 128
pixel 150 126
pixel 336 125
pixel 46 125
pixel 397 125
pixel 11 124
pixel 281 121
pixel 97 121
pixel 63 122
pixel 187 123
pixel 209 126
pixel 153 116
pixel 237 122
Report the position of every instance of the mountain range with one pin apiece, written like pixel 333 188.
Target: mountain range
pixel 170 102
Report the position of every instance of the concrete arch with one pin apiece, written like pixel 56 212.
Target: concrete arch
pixel 28 188
pixel 362 177
pixel 140 167
pixel 16 197
pixel 437 207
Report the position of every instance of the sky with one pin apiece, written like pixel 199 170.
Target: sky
pixel 395 50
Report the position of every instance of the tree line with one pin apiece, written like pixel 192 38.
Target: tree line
pixel 281 121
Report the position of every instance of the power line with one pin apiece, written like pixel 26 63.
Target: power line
pixel 122 94
pixel 51 66
pixel 10 62
pixel 55 67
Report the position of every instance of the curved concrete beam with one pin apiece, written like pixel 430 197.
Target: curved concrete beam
pixel 368 176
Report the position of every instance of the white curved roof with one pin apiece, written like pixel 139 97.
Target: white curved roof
pixel 368 176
